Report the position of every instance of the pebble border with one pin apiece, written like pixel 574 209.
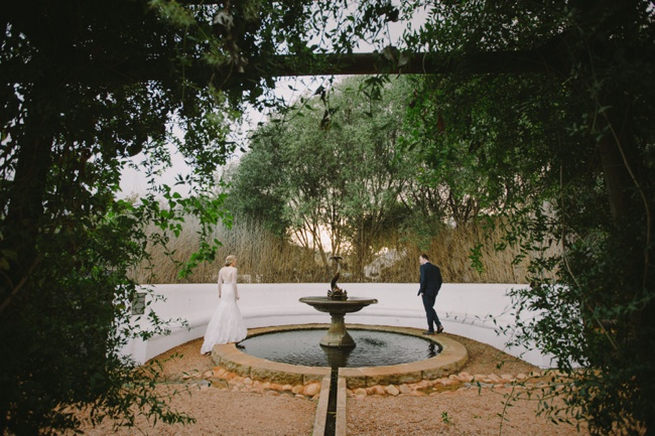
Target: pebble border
pixel 219 378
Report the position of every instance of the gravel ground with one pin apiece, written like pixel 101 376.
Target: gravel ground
pixel 461 412
pixel 222 412
pixel 466 411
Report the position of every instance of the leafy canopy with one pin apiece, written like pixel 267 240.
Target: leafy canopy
pixel 84 87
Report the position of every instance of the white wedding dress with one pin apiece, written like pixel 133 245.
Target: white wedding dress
pixel 226 324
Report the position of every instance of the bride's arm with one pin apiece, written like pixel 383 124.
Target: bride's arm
pixel 234 280
pixel 219 282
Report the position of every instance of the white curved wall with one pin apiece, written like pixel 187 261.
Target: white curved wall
pixel 464 309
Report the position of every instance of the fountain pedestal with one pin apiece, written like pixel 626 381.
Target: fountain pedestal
pixel 337 336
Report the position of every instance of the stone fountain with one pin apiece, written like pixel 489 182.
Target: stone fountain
pixel 337 304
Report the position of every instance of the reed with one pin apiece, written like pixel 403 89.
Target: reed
pixel 264 258
pixel 451 250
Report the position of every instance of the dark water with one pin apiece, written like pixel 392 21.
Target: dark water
pixel 374 348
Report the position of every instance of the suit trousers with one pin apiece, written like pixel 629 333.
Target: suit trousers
pixel 430 313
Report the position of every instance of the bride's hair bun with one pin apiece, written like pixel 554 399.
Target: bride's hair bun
pixel 230 259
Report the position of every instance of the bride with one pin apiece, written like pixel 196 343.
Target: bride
pixel 226 324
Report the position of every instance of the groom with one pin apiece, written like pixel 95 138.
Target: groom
pixel 430 284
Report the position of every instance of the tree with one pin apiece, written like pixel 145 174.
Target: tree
pixel 335 164
pixel 570 143
pixel 86 86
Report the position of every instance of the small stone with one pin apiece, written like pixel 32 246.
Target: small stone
pixel 299 396
pixel 218 371
pixel 266 385
pixel 208 373
pixel 423 384
pixel 311 389
pixel 376 390
pixel 360 392
pixel 418 394
pixel 287 387
pixel 276 386
pixel 506 378
pixel 520 376
pixel 392 390
pixel 272 393
pixel 464 377
pixel 404 389
pixel 297 389
pixel 247 381
pixel 432 394
pixel 479 377
pixel 494 378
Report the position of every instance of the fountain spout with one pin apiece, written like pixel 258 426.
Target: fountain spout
pixel 335 292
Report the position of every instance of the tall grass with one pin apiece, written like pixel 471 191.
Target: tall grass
pixel 261 257
pixel 264 258
pixel 451 249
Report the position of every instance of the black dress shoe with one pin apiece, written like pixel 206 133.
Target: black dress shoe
pixel 428 332
pixel 439 329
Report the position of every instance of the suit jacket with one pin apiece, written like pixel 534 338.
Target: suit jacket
pixel 430 280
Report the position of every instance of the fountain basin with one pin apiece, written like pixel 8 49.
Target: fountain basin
pixel 374 348
pixel 324 304
pixel 452 358
pixel 337 336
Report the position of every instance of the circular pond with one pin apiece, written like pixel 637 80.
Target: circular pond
pixel 374 348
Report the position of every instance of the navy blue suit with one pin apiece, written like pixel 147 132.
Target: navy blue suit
pixel 430 284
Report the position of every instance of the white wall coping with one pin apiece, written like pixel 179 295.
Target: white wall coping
pixel 471 310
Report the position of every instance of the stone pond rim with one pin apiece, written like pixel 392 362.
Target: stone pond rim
pixel 452 358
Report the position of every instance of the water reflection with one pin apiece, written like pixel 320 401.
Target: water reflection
pixel 373 348
pixel 337 357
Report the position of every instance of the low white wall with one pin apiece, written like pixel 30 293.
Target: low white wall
pixel 464 309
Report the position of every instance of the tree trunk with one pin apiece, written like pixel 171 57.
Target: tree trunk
pixel 27 194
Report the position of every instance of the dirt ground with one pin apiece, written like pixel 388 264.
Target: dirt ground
pixel 224 409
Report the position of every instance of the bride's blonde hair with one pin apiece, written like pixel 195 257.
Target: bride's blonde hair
pixel 230 259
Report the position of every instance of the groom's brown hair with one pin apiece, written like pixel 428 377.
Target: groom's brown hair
pixel 425 256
